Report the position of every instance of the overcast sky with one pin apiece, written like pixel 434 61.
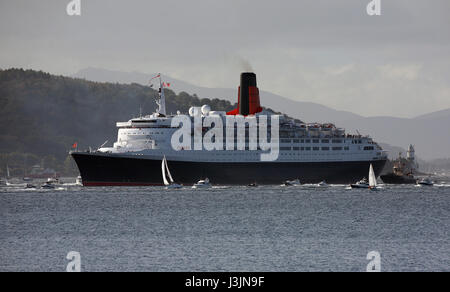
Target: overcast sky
pixel 325 51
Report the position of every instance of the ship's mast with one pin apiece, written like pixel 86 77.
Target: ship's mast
pixel 162 99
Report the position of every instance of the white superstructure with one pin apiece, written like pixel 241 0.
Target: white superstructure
pixel 151 136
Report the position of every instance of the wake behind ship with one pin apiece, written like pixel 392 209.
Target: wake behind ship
pixel 311 152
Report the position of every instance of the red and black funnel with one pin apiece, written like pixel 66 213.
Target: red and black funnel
pixel 248 96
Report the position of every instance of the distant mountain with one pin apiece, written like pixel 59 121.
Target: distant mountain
pixel 429 132
pixel 435 115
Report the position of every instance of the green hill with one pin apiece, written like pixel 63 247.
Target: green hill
pixel 42 115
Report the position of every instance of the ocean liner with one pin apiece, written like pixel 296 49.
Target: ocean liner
pixel 311 152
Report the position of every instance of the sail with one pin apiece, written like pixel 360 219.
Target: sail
pixel 163 169
pixel 168 171
pixel 372 177
pixel 7 171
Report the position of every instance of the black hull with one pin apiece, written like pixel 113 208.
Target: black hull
pixel 397 179
pixel 110 170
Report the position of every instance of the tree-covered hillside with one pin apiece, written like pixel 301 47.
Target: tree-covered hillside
pixel 42 115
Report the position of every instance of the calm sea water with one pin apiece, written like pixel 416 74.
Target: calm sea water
pixel 226 229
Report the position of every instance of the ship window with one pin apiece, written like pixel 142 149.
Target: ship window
pixel 337 141
pixel 148 121
pixel 296 140
pixel 302 148
pixel 308 148
pixel 337 148
pixel 325 148
pixel 302 141
pixel 325 141
pixel 285 140
pixel 347 148
pixel 285 148
pixel 316 141
pixel 316 148
pixel 296 148
pixel 307 141
pixel 368 148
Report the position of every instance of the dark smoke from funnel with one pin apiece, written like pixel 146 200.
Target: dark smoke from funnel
pixel 246 66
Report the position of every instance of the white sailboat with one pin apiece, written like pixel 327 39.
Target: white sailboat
pixel 372 178
pixel 7 176
pixel 170 184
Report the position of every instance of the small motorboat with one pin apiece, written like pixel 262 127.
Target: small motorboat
pixel 362 184
pixel 322 184
pixel 174 186
pixel 30 186
pixel 290 183
pixel 48 186
pixel 425 182
pixel 53 180
pixel 370 184
pixel 252 185
pixel 79 181
pixel 202 184
pixel 169 183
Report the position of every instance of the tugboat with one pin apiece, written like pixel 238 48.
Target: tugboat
pixel 403 170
